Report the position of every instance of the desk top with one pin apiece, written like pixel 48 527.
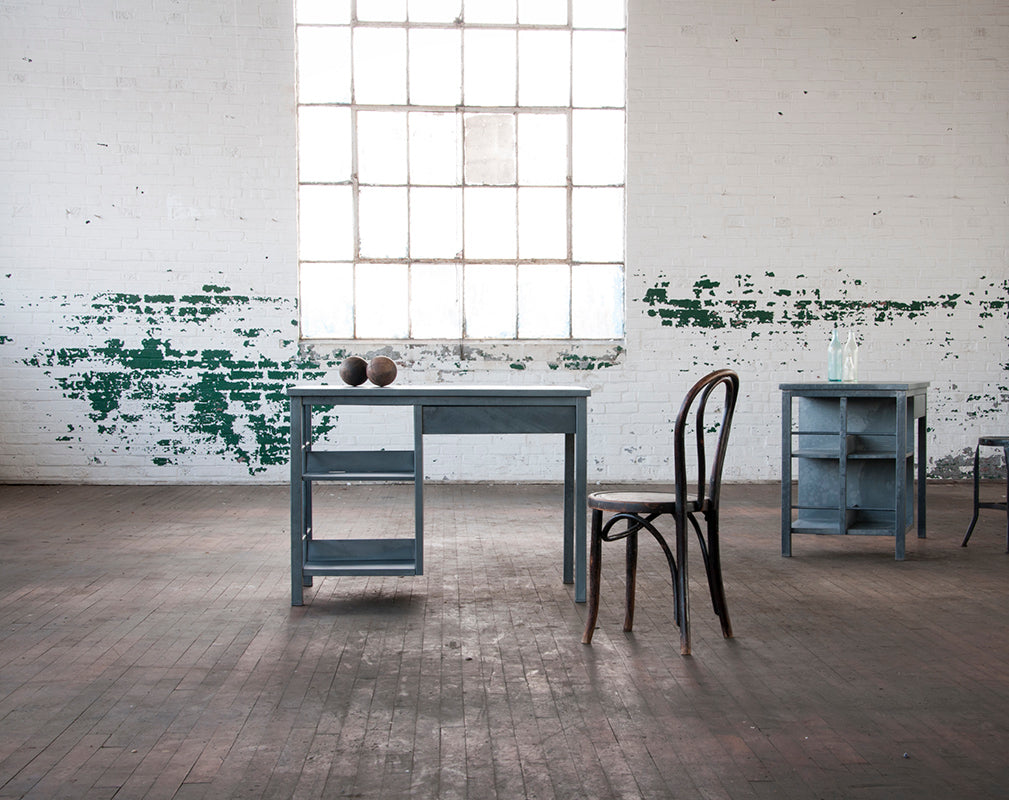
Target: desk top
pixel 408 392
pixel 855 387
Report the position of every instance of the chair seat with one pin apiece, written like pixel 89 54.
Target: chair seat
pixel 994 441
pixel 635 502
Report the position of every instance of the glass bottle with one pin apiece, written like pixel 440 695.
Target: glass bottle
pixel 849 366
pixel 835 357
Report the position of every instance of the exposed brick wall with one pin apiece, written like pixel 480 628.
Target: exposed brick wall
pixel 792 165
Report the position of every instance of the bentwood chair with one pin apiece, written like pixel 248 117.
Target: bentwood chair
pixel 640 509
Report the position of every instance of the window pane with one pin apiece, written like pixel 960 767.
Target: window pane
pixel 543 227
pixel 490 224
pixel 598 64
pixel 436 223
pixel 543 149
pixel 382 222
pixel 435 67
pixel 436 301
pixel 324 65
pixel 380 65
pixel 323 144
pixel 489 68
pixel 598 147
pixel 381 147
pixel 434 10
pixel 327 301
pixel 490 301
pixel 597 301
pixel 322 11
pixel 544 68
pixel 326 223
pixel 598 13
pixel 597 225
pixel 489 11
pixel 381 10
pixel 544 301
pixel 434 149
pixel 381 301
pixel 543 12
pixel 490 149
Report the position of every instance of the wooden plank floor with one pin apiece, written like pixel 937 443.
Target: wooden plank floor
pixel 148 649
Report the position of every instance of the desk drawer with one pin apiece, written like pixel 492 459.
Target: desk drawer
pixel 498 419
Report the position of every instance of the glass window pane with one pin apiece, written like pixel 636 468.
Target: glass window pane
pixel 323 144
pixel 490 149
pixel 489 68
pixel 489 11
pixel 382 222
pixel 490 301
pixel 489 223
pixel 325 12
pixel 434 10
pixel 325 223
pixel 434 149
pixel 436 301
pixel 543 12
pixel 543 149
pixel 435 67
pixel 327 301
pixel 324 65
pixel 544 68
pixel 598 13
pixel 597 224
pixel 544 301
pixel 543 223
pixel 435 223
pixel 598 69
pixel 381 300
pixel 381 10
pixel 597 147
pixel 380 65
pixel 597 301
pixel 381 147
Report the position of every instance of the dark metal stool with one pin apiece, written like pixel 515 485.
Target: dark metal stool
pixel 989 441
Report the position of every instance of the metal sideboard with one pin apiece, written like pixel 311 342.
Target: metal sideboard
pixel 437 409
pixel 853 445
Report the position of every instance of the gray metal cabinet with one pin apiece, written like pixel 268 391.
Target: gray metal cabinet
pixel 852 445
pixel 436 410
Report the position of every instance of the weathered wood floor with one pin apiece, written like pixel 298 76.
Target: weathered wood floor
pixel 148 650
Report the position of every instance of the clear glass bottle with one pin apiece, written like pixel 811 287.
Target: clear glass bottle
pixel 849 366
pixel 835 357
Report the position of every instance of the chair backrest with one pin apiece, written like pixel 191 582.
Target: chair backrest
pixel 696 402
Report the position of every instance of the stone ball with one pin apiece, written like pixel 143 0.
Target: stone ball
pixel 354 371
pixel 381 371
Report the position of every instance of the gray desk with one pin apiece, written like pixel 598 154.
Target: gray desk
pixel 436 410
pixel 854 447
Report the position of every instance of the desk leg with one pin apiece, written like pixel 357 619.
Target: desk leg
pixel 569 508
pixel 297 501
pixel 580 496
pixel 922 466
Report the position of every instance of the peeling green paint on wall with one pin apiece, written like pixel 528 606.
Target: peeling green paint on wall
pixel 231 404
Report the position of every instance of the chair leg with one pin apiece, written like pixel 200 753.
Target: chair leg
pixel 680 587
pixel 977 497
pixel 631 578
pixel 715 581
pixel 1005 453
pixel 595 571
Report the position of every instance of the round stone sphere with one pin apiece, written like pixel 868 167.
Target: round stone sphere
pixel 354 371
pixel 381 371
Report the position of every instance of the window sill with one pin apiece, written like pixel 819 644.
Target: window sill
pixel 454 356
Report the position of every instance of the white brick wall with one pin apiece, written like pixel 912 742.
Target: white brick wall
pixel 790 164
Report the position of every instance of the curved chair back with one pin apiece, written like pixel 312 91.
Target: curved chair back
pixel 708 484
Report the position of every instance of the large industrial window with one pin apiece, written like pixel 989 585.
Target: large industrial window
pixel 461 168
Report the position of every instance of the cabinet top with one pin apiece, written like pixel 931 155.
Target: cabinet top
pixel 854 387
